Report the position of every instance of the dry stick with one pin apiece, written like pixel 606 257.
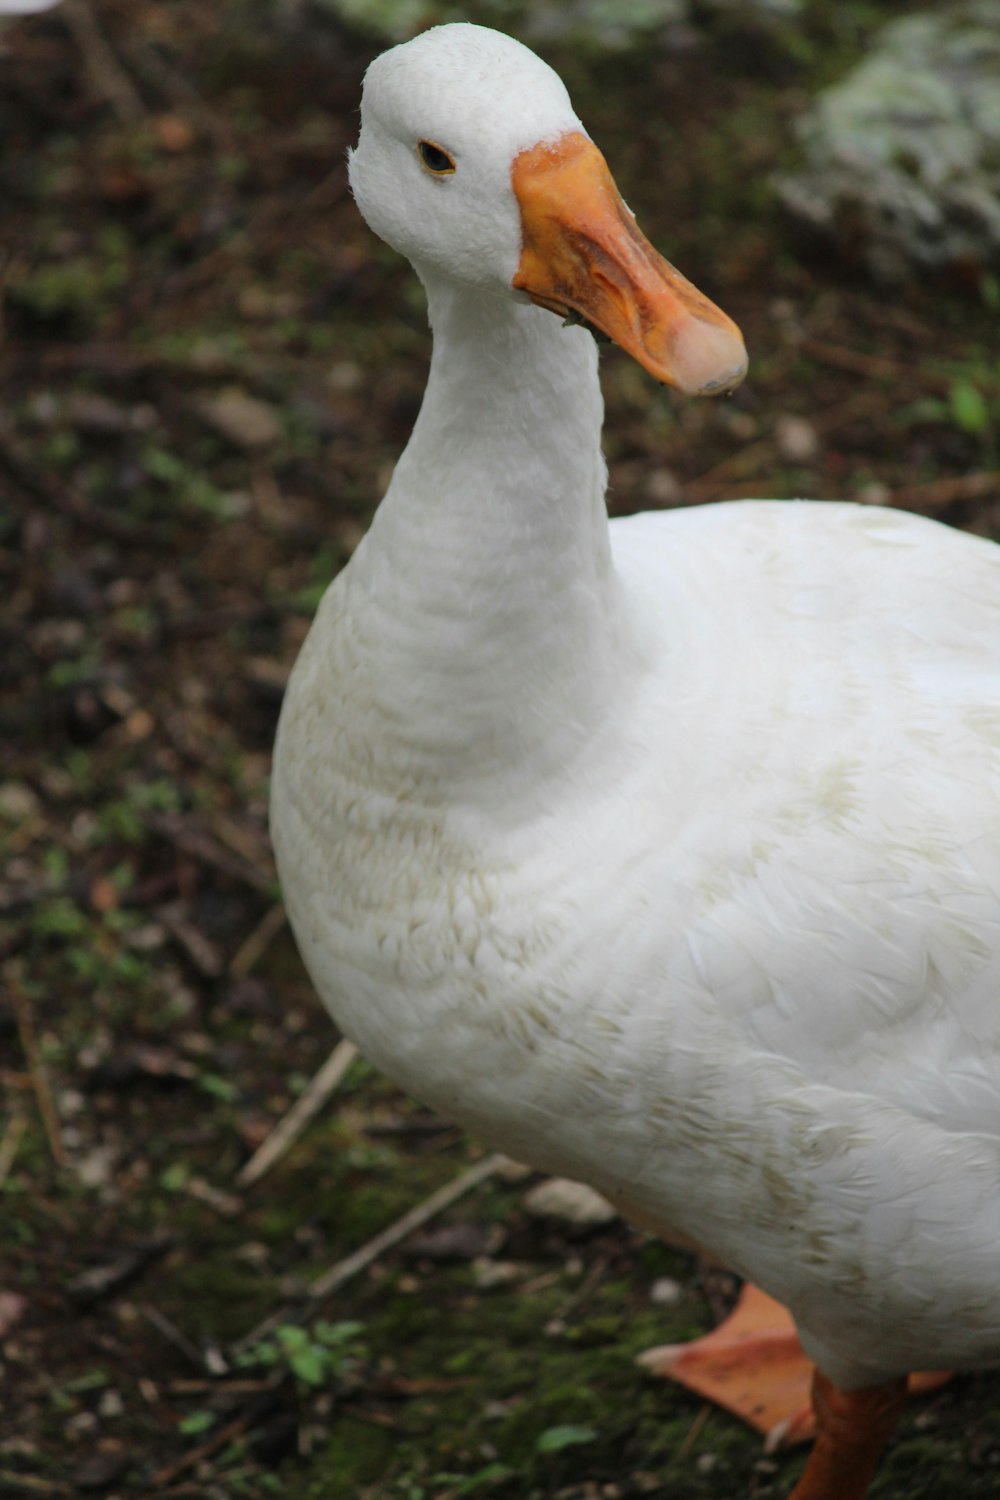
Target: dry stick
pixel 694 1431
pixel 288 1130
pixel 107 72
pixel 872 365
pixel 218 1440
pixel 173 1335
pixel 62 497
pixel 10 1481
pixel 348 1268
pixel 36 1068
pixel 16 1126
pixel 742 465
pixel 345 1270
pixel 207 850
pixel 253 947
pixel 935 493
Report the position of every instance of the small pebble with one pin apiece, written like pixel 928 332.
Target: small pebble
pixel 245 420
pixel 875 493
pixel 572 1202
pixel 487 1274
pixel 666 1292
pixel 18 802
pixel 110 1404
pixel 797 439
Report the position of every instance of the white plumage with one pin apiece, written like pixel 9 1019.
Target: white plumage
pixel 25 7
pixel 665 855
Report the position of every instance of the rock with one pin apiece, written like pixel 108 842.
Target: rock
pixel 101 1470
pixel 572 1202
pixel 617 25
pixel 902 156
pixel 18 802
pixel 245 420
pixel 488 1274
pixel 797 438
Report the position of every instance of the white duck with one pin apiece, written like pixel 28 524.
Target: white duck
pixel 664 854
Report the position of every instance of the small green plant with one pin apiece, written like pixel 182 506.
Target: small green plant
pixel 969 408
pixel 554 1439
pixel 316 1356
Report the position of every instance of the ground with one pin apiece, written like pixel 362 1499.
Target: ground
pixel 208 367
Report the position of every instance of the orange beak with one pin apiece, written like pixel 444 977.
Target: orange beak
pixel 583 254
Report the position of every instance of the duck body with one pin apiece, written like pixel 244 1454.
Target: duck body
pixel 665 854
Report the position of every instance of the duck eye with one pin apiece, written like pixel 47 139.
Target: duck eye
pixel 435 159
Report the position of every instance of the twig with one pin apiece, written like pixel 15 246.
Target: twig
pixel 249 843
pixel 107 72
pixel 62 498
pixel 348 1268
pixel 871 365
pixel 754 457
pixel 937 493
pixel 149 61
pixel 173 1335
pixel 345 1270
pixel 11 1480
pixel 695 1430
pixel 12 1136
pixel 36 1068
pixel 201 846
pixel 252 949
pixel 305 1108
pixel 204 1450
pixel 200 950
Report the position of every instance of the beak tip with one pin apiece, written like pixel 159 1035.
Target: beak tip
pixel 725 384
pixel 709 359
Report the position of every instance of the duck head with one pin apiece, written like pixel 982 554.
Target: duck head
pixel 473 164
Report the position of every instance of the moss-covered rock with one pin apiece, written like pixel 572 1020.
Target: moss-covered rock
pixel 902 157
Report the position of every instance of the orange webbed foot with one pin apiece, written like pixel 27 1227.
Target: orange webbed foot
pixel 753 1366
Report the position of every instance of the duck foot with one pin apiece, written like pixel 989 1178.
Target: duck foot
pixel 852 1428
pixel 753 1365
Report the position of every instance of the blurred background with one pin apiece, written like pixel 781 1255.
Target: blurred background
pixel 207 368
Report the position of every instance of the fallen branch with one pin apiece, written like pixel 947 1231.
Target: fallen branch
pixel 305 1108
pixel 12 1482
pixel 935 494
pixel 218 1440
pixel 871 365
pixel 62 498
pixel 36 1069
pixel 253 947
pixel 174 1336
pixel 110 78
pixel 207 850
pixel 12 1136
pixel 345 1270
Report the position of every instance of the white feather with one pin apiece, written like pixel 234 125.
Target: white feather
pixel 25 7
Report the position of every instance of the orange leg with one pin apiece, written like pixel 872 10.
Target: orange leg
pixel 852 1428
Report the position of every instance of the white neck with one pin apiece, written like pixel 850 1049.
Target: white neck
pixel 486 576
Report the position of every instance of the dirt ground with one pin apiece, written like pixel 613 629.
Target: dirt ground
pixel 208 366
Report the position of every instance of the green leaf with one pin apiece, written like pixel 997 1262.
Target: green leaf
pixel 307 1361
pixel 335 1334
pixel 969 407
pixel 198 1421
pixel 556 1438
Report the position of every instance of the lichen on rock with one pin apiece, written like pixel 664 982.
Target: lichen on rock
pixel 902 156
